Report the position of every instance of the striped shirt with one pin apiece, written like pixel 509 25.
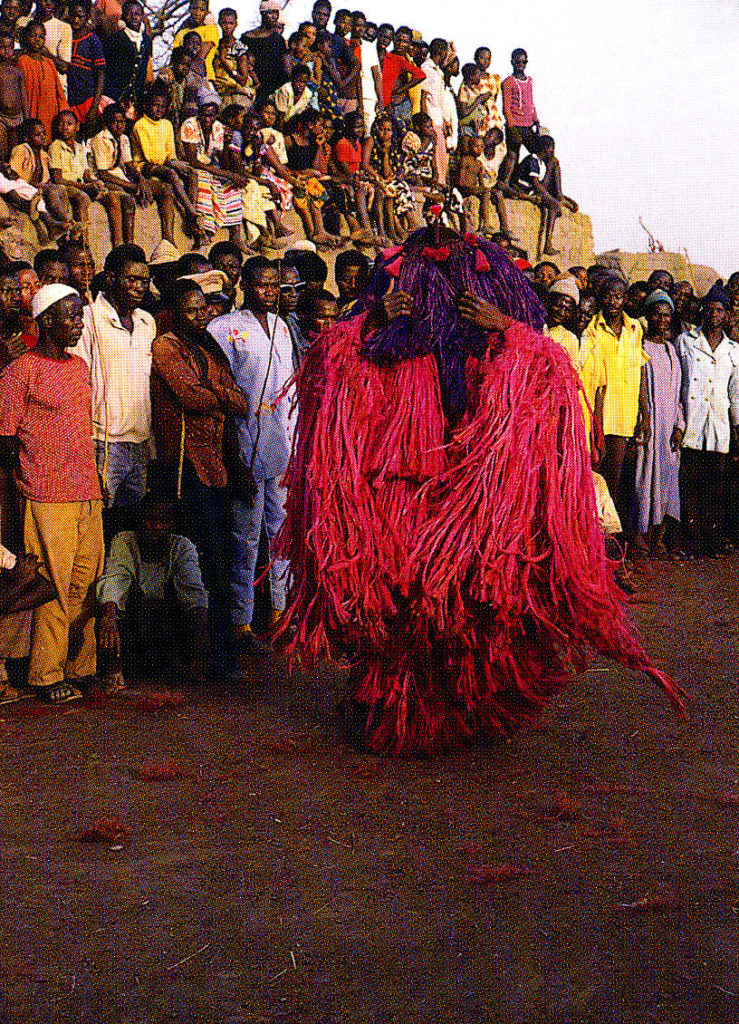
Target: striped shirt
pixel 45 403
pixel 87 61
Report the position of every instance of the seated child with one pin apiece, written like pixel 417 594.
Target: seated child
pixel 153 607
pixel 111 155
pixel 155 157
pixel 22 587
pixel 246 155
pixel 538 179
pixel 294 96
pixel 68 166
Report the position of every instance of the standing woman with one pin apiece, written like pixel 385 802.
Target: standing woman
pixel 219 195
pixel 658 460
pixel 327 75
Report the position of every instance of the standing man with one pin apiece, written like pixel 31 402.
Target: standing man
pixel 12 344
pixel 116 345
pixel 269 49
pixel 710 399
pixel 432 100
pixel 394 74
pixel 45 402
pixel 341 52
pixel 258 347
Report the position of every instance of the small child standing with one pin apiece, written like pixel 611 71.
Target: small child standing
pixel 472 102
pixel 44 90
pixel 489 83
pixel 13 99
pixel 469 181
pixel 192 45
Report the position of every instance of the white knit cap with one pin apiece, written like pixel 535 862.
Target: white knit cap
pixel 566 285
pixel 48 295
pixel 302 245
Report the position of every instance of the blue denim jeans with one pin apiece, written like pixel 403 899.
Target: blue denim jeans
pixel 269 506
pixel 125 475
pixel 402 112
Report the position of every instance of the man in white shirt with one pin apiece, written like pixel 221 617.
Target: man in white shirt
pixel 432 100
pixel 258 347
pixel 116 345
pixel 710 397
pixel 366 53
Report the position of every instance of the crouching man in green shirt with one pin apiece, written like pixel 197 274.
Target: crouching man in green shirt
pixel 153 605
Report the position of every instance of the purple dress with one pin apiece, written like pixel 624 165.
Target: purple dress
pixel 657 466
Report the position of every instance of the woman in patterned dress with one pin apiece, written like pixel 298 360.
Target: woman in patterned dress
pixel 384 161
pixel 219 190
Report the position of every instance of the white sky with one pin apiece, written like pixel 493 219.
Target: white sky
pixel 642 97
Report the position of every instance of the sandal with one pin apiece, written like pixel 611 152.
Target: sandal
pixel 60 693
pixel 9 694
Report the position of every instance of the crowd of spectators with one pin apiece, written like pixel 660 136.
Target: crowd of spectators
pixel 360 128
pixel 152 395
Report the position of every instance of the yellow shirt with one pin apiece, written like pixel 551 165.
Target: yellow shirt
pixel 209 34
pixel 613 362
pixel 70 160
pixel 152 142
pixel 567 340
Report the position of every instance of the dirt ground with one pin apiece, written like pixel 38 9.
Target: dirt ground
pixel 587 871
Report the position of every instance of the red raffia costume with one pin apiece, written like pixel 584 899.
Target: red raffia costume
pixel 441 519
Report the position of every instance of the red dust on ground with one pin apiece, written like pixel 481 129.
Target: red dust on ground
pixel 586 871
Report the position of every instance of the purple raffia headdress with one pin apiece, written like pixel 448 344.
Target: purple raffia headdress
pixel 434 275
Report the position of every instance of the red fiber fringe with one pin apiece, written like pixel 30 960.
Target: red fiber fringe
pixel 466 570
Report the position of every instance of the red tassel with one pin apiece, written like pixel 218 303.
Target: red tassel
pixel 437 255
pixel 481 264
pixel 395 250
pixel 394 268
pixel 470 238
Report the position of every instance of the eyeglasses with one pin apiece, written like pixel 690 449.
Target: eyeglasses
pixel 292 287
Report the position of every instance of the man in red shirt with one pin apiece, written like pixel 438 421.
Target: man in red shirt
pixel 395 75
pixel 45 416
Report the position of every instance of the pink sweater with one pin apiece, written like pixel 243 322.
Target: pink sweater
pixel 518 101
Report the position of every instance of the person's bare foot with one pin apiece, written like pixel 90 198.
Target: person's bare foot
pixel 549 250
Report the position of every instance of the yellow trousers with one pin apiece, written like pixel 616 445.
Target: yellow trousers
pixel 67 538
